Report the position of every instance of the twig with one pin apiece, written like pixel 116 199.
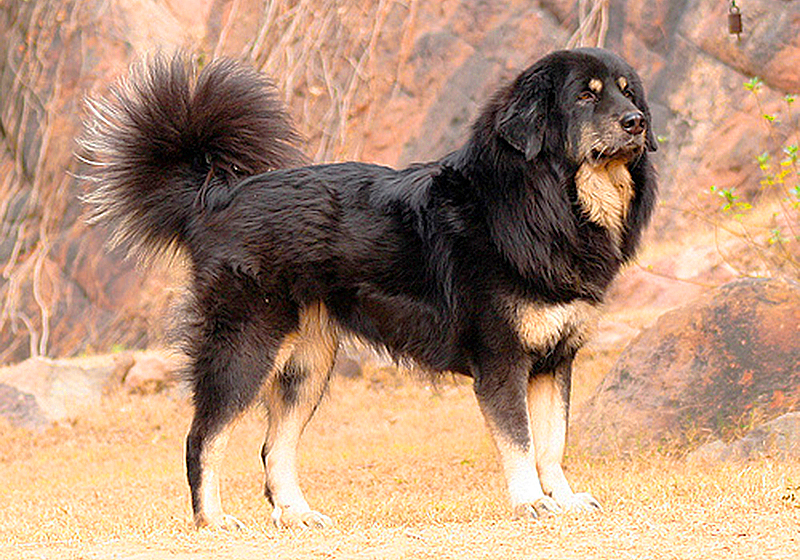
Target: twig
pixel 226 28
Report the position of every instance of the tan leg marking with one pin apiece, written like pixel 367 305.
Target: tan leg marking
pixel 211 513
pixel 549 431
pixel 312 349
pixel 548 416
pixel 541 326
pixel 519 468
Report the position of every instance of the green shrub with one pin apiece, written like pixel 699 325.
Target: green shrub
pixel 768 221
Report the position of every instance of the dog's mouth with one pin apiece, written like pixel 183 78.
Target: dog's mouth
pixel 624 150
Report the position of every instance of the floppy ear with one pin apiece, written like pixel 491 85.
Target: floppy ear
pixel 522 125
pixel 650 141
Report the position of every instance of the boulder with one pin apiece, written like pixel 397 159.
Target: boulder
pixel 21 409
pixel 705 370
pixel 778 439
pixel 152 372
pixel 40 390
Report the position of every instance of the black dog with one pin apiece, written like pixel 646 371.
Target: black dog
pixel 491 262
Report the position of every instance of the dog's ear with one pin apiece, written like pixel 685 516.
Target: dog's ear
pixel 522 121
pixel 650 141
pixel 522 125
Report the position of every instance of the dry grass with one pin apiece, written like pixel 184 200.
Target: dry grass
pixel 406 471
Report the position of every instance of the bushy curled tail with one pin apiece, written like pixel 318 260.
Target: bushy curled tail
pixel 167 142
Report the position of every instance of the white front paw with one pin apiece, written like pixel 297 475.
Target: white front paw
pixel 581 502
pixel 543 507
pixel 289 517
pixel 222 521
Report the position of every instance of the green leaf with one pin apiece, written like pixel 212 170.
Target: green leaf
pixel 753 84
pixel 776 237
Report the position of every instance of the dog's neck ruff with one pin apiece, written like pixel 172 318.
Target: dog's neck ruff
pixel 605 191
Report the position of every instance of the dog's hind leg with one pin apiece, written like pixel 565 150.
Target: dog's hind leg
pixel 205 445
pixel 548 405
pixel 232 353
pixel 226 382
pixel 292 396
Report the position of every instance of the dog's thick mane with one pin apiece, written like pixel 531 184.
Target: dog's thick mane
pixel 533 213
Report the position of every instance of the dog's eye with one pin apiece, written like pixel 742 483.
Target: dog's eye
pixel 587 96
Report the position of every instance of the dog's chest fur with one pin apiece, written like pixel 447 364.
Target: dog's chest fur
pixel 605 192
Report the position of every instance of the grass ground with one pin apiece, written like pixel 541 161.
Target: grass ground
pixel 406 471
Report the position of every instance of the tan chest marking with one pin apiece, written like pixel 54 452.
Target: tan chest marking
pixel 605 192
pixel 541 326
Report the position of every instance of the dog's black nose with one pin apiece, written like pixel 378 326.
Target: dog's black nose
pixel 633 122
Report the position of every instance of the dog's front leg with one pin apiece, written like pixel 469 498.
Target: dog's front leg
pixel 502 399
pixel 548 407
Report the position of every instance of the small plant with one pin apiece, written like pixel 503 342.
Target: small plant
pixel 732 202
pixel 774 243
pixel 791 495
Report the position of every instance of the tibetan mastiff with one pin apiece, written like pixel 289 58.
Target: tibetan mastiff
pixel 491 262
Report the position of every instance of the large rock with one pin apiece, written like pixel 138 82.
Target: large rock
pixel 778 439
pixel 48 391
pixel 21 409
pixel 40 391
pixel 705 370
pixel 153 371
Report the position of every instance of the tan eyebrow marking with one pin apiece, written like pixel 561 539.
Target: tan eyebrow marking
pixel 622 83
pixel 595 85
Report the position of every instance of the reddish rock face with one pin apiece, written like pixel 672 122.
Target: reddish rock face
pixel 416 73
pixel 702 370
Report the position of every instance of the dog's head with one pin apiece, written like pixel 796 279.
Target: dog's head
pixel 586 103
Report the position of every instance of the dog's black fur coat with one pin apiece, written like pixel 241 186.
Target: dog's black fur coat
pixel 418 261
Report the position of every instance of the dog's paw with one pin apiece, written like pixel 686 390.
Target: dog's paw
pixel 582 502
pixel 289 518
pixel 543 507
pixel 224 522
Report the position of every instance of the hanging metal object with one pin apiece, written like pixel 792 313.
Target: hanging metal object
pixel 734 19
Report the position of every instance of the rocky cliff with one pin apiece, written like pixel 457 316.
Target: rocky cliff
pixel 385 81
